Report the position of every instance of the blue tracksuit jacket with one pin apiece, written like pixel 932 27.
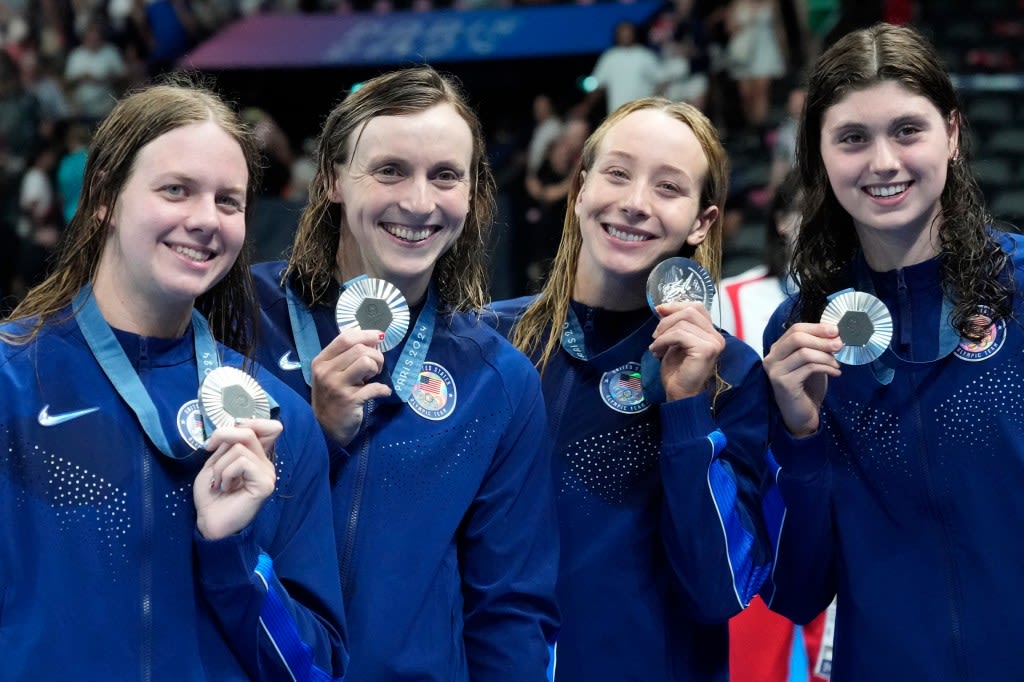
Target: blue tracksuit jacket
pixel 907 502
pixel 661 529
pixel 103 575
pixel 444 513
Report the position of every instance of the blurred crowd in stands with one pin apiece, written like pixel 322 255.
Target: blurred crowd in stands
pixel 64 62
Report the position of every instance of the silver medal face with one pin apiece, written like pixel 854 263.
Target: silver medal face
pixel 228 393
pixel 371 303
pixel 679 279
pixel 865 326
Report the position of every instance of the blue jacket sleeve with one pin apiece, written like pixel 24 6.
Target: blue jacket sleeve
pixel 275 586
pixel 798 512
pixel 508 549
pixel 802 583
pixel 712 470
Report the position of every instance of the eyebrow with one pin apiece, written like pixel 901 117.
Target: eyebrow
pixel 663 167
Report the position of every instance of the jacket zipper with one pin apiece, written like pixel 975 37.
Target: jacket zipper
pixel 363 463
pixel 146 563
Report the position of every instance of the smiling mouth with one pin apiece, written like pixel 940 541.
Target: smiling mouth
pixel 625 236
pixel 409 234
pixel 885 191
pixel 197 255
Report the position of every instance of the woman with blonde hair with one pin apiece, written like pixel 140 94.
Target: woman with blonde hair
pixel 659 419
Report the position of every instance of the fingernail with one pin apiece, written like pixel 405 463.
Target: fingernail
pixel 213 483
pixel 241 421
pixel 380 337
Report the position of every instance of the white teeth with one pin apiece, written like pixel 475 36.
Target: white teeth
pixel 625 236
pixel 193 254
pixel 888 191
pixel 409 234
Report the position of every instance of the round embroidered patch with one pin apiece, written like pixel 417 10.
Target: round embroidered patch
pixel 622 389
pixel 433 397
pixel 989 345
pixel 190 424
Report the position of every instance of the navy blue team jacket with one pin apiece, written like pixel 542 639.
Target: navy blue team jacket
pixel 443 508
pixel 103 575
pixel 662 537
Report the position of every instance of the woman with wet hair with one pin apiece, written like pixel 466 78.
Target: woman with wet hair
pixel 894 372
pixel 148 537
pixel 443 504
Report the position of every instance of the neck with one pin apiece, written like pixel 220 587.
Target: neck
pixel 886 251
pixel 599 290
pixel 123 311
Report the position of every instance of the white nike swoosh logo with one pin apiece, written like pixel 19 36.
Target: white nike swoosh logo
pixel 287 364
pixel 47 419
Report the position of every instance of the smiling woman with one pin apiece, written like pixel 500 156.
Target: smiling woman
pixel 185 533
pixel 442 495
pixel 901 477
pixel 661 417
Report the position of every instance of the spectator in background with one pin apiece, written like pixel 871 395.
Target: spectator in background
pixel 71 168
pixel 41 221
pixel 547 128
pixel 41 75
pixel 94 73
pixel 19 139
pixel 547 189
pixel 682 38
pixel 627 70
pixel 784 144
pixel 754 55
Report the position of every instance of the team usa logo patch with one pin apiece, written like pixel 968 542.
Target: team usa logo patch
pixel 433 397
pixel 622 389
pixel 190 424
pixel 989 345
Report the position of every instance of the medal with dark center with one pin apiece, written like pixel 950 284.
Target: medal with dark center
pixel 228 393
pixel 370 303
pixel 865 326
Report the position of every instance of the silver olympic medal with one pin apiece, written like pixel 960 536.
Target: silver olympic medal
pixel 679 279
pixel 228 393
pixel 371 303
pixel 865 326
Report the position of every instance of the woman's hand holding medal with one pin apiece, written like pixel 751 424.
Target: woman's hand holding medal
pixel 688 346
pixel 341 381
pixel 798 366
pixel 237 478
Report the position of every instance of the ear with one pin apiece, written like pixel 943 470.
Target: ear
pixel 701 225
pixel 101 213
pixel 334 194
pixel 583 184
pixel 954 135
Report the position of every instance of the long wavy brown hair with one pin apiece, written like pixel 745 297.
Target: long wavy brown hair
pixel 461 272
pixel 539 329
pixel 177 100
pixel 974 267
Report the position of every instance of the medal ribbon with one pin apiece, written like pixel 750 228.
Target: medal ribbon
pixel 410 360
pixel 573 341
pixel 115 364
